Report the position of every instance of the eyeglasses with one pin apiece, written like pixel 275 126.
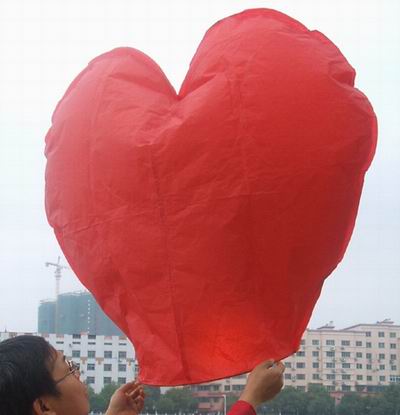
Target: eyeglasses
pixel 73 370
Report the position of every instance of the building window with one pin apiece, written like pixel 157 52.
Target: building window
pixel 121 368
pixel 345 377
pixel 315 342
pixel 300 376
pixel 345 354
pixel 91 343
pixel 108 354
pixel 300 365
pixel 368 345
pixel 359 377
pixel 288 364
pixel 303 342
pixel 382 378
pixel 393 357
pixel 330 388
pixel 358 343
pixel 393 367
pixel 76 336
pixel 76 342
pixel 330 365
pixel 392 345
pixel 227 388
pixel 330 342
pixel 392 335
pixel 91 353
pixel 288 376
pixel 121 355
pixel 369 378
pixel 381 356
pixel 330 354
pixel 204 399
pixel 381 334
pixel 369 367
pixel 368 355
pixel 346 388
pixel 315 376
pixel 358 355
pixel 381 367
pixel 367 334
pixel 90 380
pixel 237 387
pixel 106 380
pixel 107 344
pixel 315 365
pixel 92 336
pixel 107 367
pixel 315 354
pixel 345 365
pixel 90 366
pixel 121 381
pixel 60 342
pixel 76 353
pixel 345 343
pixel 301 353
pixel 358 366
pixel 381 345
pixel 331 376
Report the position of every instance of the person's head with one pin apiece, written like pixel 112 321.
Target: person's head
pixel 35 379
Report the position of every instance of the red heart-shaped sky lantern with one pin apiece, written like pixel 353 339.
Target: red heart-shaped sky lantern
pixel 205 222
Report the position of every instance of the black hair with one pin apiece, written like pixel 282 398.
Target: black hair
pixel 25 366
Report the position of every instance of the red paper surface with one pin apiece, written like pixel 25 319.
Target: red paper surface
pixel 205 223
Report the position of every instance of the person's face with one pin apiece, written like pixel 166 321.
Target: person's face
pixel 74 397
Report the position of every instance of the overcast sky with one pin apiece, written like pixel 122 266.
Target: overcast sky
pixel 45 44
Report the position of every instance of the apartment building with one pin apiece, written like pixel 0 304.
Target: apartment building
pixel 361 358
pixel 74 312
pixel 102 359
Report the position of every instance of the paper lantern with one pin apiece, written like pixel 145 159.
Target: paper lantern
pixel 205 222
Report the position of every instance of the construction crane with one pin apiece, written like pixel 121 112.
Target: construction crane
pixel 57 275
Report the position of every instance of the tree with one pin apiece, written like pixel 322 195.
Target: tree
pixel 151 401
pixel 99 402
pixel 289 401
pixel 95 401
pixel 319 401
pixel 353 404
pixel 386 403
pixel 391 395
pixel 178 400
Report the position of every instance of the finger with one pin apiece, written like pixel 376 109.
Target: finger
pixel 279 366
pixel 139 402
pixel 134 393
pixel 139 399
pixel 266 364
pixel 129 386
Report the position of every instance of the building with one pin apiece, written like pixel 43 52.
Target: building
pixel 361 358
pixel 102 359
pixel 77 312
